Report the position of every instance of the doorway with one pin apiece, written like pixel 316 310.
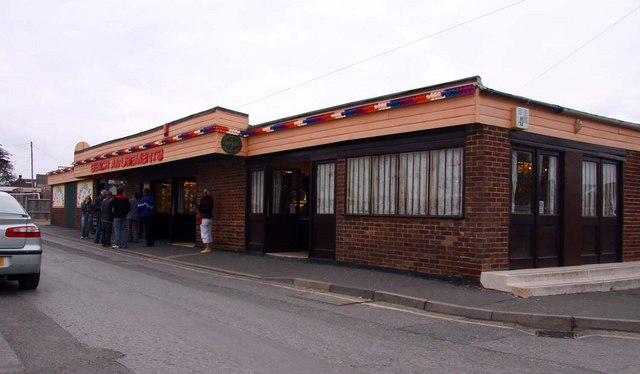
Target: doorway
pixel 565 209
pixel 278 216
pixel 175 209
pixel 535 228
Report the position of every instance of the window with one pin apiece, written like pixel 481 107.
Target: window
pixel 359 185
pixel 186 197
pixel 522 182
pixel 445 194
pixel 609 190
pixel 257 192
pixel 406 183
pixel 589 188
pixel 163 197
pixel 325 188
pixel 547 185
pixel 413 183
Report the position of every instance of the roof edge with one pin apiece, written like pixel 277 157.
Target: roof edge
pixel 560 109
pixel 194 115
pixel 474 79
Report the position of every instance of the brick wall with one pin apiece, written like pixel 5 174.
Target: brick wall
pixel 58 217
pixel 448 247
pixel 226 179
pixel 631 233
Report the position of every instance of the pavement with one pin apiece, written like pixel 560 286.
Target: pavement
pixel 564 315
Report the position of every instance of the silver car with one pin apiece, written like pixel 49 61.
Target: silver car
pixel 20 244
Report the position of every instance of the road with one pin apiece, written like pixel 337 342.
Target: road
pixel 102 311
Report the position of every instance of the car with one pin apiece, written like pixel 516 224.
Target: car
pixel 20 244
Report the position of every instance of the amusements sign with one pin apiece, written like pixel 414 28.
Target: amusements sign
pixel 126 161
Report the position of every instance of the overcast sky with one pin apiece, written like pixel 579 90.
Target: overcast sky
pixel 93 71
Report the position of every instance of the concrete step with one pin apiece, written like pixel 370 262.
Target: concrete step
pixel 564 280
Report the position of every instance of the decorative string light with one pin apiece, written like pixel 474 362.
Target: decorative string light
pixel 434 95
pixel 369 108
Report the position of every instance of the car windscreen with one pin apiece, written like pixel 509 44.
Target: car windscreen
pixel 9 205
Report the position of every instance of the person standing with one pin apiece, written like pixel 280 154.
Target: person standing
pixel 97 214
pixel 120 207
pixel 85 222
pixel 134 218
pixel 205 207
pixel 107 220
pixel 146 208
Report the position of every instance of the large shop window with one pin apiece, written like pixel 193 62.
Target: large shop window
pixel 412 184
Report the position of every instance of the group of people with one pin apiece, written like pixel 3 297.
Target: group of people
pixel 114 212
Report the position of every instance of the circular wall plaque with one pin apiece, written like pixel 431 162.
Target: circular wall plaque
pixel 231 144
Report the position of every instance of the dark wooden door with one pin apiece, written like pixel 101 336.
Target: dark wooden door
pixel 256 211
pixel 70 204
pixel 161 191
pixel 323 231
pixel 283 188
pixel 547 217
pixel 183 207
pixel 600 221
pixel 535 221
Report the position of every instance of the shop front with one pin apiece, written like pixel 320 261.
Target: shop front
pixel 166 160
pixel 450 180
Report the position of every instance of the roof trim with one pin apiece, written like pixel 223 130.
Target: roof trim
pixel 199 114
pixel 560 109
pixel 469 80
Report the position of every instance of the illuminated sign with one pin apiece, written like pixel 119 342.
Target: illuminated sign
pixel 126 161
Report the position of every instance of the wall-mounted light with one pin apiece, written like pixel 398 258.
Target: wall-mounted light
pixel 579 125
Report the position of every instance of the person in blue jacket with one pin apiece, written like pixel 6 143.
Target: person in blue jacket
pixel 146 208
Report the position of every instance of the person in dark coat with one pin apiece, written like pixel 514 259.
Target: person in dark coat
pixel 97 214
pixel 134 218
pixel 146 208
pixel 106 217
pixel 119 205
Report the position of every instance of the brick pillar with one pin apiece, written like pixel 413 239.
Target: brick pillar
pixel 226 179
pixel 487 189
pixel 631 230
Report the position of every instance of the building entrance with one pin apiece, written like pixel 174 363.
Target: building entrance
pixel 175 209
pixel 279 208
pixel 565 209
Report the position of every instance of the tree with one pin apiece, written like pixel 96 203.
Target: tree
pixel 6 168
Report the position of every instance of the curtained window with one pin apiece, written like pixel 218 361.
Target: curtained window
pixel 413 184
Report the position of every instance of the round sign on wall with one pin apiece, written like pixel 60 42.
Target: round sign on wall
pixel 231 144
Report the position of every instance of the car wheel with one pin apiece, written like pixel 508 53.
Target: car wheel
pixel 29 281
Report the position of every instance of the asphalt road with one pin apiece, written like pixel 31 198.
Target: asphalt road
pixel 100 311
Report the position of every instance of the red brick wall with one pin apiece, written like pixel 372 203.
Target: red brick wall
pixel 448 247
pixel 226 179
pixel 631 233
pixel 58 217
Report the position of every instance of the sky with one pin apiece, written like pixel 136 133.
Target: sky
pixel 94 71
